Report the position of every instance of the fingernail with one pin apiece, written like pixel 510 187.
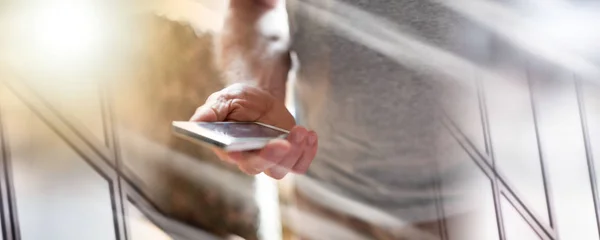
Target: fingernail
pixel 279 172
pixel 299 138
pixel 312 139
pixel 260 168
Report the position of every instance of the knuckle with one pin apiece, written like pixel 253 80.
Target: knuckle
pixel 238 103
pixel 214 96
pixel 220 98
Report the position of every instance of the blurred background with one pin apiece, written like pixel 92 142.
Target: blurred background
pixel 88 89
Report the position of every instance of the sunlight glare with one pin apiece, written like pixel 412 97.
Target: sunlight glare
pixel 66 30
pixel 572 27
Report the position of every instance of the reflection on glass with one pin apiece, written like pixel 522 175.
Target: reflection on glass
pixel 591 96
pixel 475 192
pixel 512 131
pixel 76 99
pixel 58 195
pixel 565 155
pixel 464 110
pixel 515 227
pixel 140 227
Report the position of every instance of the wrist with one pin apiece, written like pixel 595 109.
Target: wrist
pixel 249 5
pixel 276 82
pixel 270 76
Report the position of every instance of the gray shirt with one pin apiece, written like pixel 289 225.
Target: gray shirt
pixel 377 114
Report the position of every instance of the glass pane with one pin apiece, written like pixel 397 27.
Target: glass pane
pixel 513 134
pixel 74 96
pixel 190 189
pixel 58 195
pixel 463 109
pixel 515 227
pixel 140 227
pixel 591 95
pixel 564 153
pixel 475 191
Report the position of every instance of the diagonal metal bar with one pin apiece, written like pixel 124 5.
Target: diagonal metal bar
pixel 490 152
pixel 41 106
pixel 74 139
pixel 91 151
pixel 94 153
pixel 112 143
pixel 588 149
pixel 73 134
pixel 10 220
pixel 545 174
pixel 439 206
pixel 55 121
pixel 519 210
pixel 484 163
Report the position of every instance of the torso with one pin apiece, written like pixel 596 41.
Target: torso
pixel 377 118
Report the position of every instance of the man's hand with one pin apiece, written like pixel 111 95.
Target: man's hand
pixel 254 48
pixel 245 103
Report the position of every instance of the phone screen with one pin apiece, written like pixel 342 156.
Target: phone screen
pixel 242 130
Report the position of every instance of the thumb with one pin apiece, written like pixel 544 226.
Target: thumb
pixel 206 114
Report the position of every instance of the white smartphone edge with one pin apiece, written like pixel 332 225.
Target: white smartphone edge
pixel 196 133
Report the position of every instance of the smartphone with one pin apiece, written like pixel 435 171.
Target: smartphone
pixel 230 136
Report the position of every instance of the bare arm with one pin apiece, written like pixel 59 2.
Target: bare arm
pixel 253 47
pixel 253 52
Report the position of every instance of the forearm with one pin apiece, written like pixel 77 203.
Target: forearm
pixel 253 46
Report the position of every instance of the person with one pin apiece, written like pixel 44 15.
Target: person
pixel 374 166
